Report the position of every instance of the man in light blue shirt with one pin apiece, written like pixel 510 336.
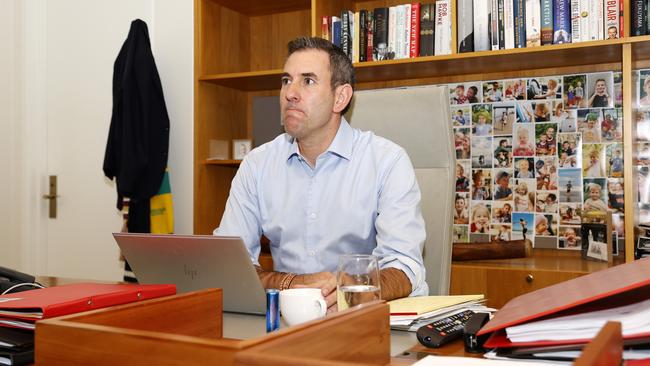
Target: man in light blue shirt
pixel 324 189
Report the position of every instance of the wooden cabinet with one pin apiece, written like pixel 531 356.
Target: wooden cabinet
pixel 240 46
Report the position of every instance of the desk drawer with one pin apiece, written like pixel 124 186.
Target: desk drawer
pixel 499 285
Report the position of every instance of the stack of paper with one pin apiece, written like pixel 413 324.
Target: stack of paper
pixel 635 319
pixel 410 313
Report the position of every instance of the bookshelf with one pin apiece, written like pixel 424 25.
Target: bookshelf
pixel 240 48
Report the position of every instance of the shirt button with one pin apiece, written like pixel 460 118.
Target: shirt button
pixel 313 215
pixel 311 253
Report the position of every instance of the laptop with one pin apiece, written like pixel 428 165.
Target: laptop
pixel 195 262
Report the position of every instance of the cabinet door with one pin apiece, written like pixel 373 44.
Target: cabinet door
pixel 500 285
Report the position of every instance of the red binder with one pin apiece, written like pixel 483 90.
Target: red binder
pixel 68 299
pixel 615 286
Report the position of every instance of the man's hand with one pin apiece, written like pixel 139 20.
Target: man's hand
pixel 326 281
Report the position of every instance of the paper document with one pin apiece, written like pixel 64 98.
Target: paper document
pixel 418 305
pixel 468 361
pixel 635 320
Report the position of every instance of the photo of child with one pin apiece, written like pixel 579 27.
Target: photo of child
pixel 644 88
pixel 462 176
pixel 461 116
pixel 570 213
pixel 570 238
pixel 593 160
pixel 566 119
pixel 642 154
pixel 514 89
pixel 618 224
pixel 482 119
pixel 462 143
pixel 481 184
pixel 482 152
pixel 611 128
pixel 524 195
pixel 570 185
pixel 595 194
pixel 522 226
pixel 523 168
pixel 472 92
pixel 524 111
pixel 541 111
pixel 546 202
pixel 569 143
pixel 618 89
pixel 457 94
pixel 546 173
pixel 501 212
pixel 545 139
pixel 492 91
pixel 614 157
pixel 574 93
pixel 523 144
pixel 504 118
pixel 502 190
pixel 615 194
pixel 480 222
pixel 544 88
pixel 461 234
pixel 501 232
pixel 461 204
pixel 642 119
pixel 545 225
pixel 600 90
pixel 503 152
pixel 589 124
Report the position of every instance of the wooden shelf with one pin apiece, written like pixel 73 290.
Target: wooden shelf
pixel 224 162
pixel 563 55
pixel 264 7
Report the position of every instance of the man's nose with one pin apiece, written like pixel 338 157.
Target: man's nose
pixel 292 92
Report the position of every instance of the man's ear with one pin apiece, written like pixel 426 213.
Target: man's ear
pixel 342 97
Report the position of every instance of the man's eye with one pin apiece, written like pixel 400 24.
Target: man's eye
pixel 285 81
pixel 310 81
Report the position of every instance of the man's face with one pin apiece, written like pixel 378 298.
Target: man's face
pixel 611 33
pixel 306 96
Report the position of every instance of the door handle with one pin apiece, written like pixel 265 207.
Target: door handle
pixel 52 196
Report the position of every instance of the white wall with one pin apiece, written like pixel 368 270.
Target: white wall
pixel 9 251
pixel 32 89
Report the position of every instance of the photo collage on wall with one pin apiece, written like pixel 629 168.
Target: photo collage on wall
pixel 536 157
pixel 642 162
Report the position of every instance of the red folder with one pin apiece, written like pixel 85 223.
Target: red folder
pixel 75 298
pixel 615 286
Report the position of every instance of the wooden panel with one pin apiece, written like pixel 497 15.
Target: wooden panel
pixel 223 39
pixel 360 334
pixel 162 331
pixel 212 186
pixel 260 359
pixel 492 282
pixel 604 350
pixel 260 7
pixel 270 35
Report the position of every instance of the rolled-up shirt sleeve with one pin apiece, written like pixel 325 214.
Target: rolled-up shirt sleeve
pixel 400 226
pixel 241 215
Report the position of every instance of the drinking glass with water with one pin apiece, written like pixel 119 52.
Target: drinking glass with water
pixel 357 280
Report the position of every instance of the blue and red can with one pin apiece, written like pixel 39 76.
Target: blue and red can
pixel 272 310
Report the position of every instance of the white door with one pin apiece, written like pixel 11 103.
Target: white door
pixel 82 40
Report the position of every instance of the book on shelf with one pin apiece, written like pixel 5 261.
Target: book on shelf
pixel 577 22
pixel 494 24
pixel 481 26
pixel 345 33
pixel 613 16
pixel 519 15
pixel 546 12
pixel 501 24
pixel 325 28
pixel 414 43
pixel 596 20
pixel 639 24
pixel 561 22
pixel 363 35
pixel 370 31
pixel 336 31
pixel 533 23
pixel 443 28
pixel 356 38
pixel 465 24
pixel 380 37
pixel 392 33
pixel 427 29
pixel 405 51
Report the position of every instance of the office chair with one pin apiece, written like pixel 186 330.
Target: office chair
pixel 419 120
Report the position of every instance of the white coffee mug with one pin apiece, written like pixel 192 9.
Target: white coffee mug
pixel 299 305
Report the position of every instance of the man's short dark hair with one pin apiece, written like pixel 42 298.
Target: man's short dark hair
pixel 340 65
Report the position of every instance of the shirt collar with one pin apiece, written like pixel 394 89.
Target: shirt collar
pixel 341 145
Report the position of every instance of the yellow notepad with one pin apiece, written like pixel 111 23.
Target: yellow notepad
pixel 418 305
